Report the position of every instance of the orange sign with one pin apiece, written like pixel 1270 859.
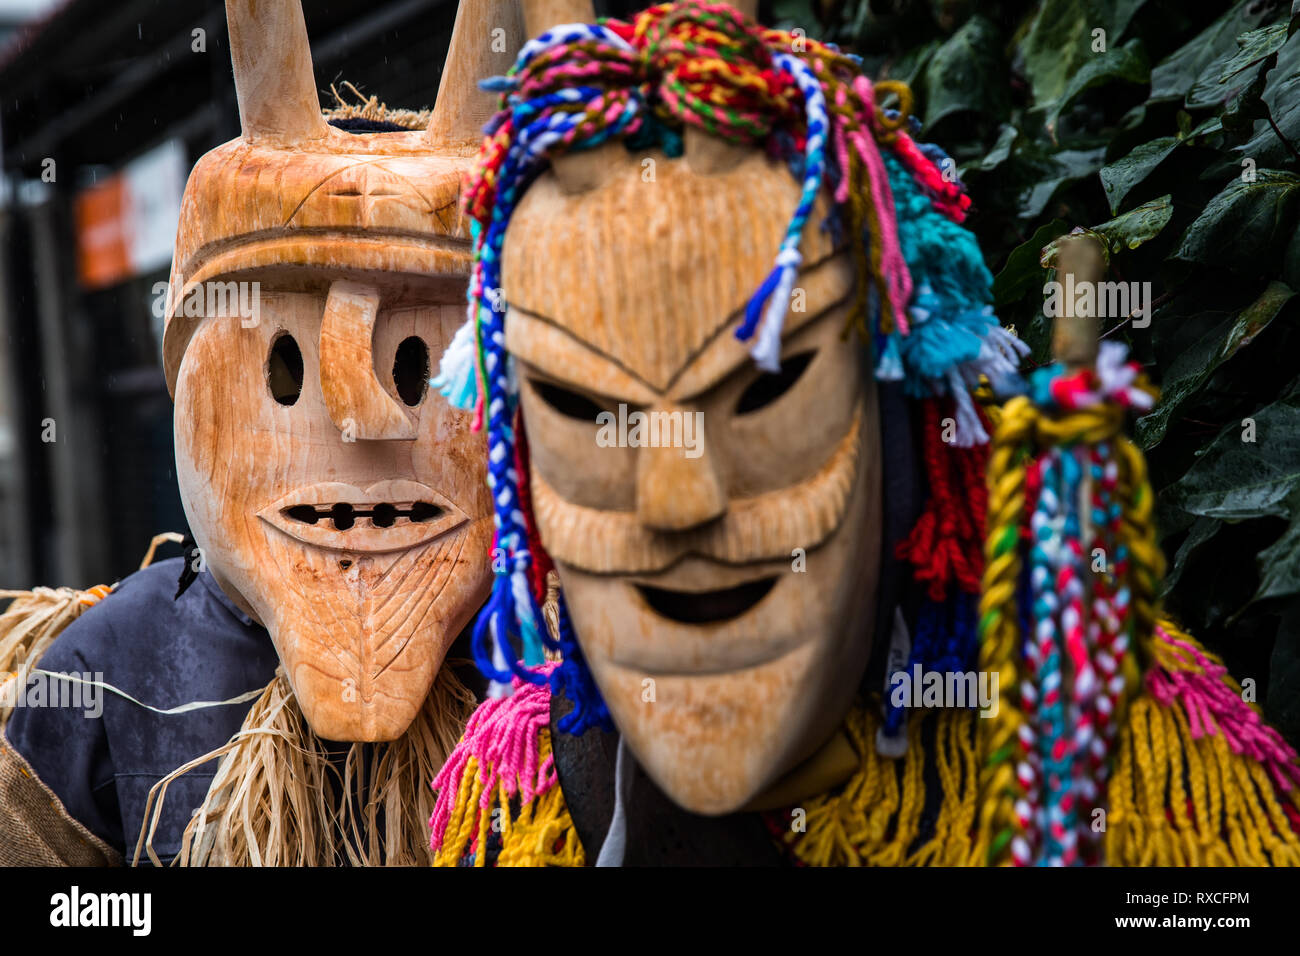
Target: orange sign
pixel 126 225
pixel 102 256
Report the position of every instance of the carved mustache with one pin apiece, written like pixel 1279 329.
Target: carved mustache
pixel 765 527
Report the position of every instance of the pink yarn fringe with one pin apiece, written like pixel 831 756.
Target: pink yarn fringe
pixel 502 735
pixel 892 264
pixel 1212 706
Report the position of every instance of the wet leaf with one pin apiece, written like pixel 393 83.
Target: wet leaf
pixel 1237 479
pixel 1137 226
pixel 963 74
pixel 1194 367
pixel 1247 225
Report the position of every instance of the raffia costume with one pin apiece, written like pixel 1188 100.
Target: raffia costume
pixel 711 703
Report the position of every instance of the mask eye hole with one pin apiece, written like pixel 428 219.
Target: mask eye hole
pixel 284 370
pixel 411 370
pixel 569 404
pixel 769 386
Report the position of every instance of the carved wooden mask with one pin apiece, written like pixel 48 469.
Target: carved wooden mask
pixel 331 495
pixel 721 594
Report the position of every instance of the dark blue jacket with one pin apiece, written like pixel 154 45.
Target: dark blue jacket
pixel 164 652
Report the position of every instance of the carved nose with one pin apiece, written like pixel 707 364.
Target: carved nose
pixel 358 404
pixel 677 487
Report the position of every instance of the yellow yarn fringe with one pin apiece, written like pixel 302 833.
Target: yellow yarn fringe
pixel 540 834
pixel 271 802
pixel 1236 817
pixel 874 819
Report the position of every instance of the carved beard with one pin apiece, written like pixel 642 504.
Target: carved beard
pixel 361 644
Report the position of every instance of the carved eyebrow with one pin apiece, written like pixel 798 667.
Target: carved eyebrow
pixel 721 355
pixel 543 343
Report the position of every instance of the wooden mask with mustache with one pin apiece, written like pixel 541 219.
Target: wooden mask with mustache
pixel 720 592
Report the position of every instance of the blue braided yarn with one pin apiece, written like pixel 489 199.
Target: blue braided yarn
pixel 944 641
pixel 511 614
pixel 1045 559
pixel 772 300
pixel 565 34
pixel 573 679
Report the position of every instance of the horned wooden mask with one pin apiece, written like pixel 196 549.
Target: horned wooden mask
pixel 318 275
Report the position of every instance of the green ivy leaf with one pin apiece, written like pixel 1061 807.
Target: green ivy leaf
pixel 1246 225
pixel 1281 97
pixel 1060 41
pixel 1226 77
pixel 1236 479
pixel 1127 63
pixel 1119 178
pixel 964 74
pixel 1138 225
pixel 1023 273
pixel 1194 367
pixel 1175 74
pixel 1067 166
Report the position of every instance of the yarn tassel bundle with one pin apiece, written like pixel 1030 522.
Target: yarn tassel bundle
pixel 1069 623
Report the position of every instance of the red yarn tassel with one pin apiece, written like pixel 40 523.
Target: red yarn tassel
pixel 541 564
pixel 947 541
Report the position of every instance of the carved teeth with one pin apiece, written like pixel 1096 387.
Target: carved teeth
pixel 344 514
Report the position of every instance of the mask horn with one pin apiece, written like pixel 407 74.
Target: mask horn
pixel 581 171
pixel 273 73
pixel 484 42
pixel 706 153
pixel 541 15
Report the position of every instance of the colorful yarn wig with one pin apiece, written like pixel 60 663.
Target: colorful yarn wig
pixel 922 304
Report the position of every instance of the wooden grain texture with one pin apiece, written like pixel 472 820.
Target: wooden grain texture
pixel 662 222
pixel 628 293
pixel 484 41
pixel 349 244
pixel 541 15
pixel 272 59
pixel 361 616
pixel 353 393
pixel 1075 332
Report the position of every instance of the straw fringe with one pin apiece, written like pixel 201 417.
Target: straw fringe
pixel 369 108
pixel 29 626
pixel 278 800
